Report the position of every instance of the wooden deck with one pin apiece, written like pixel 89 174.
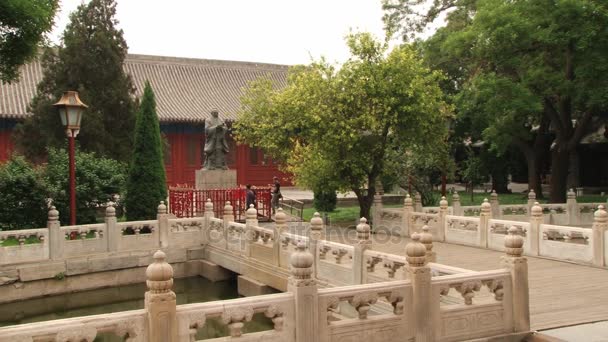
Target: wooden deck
pixel 561 293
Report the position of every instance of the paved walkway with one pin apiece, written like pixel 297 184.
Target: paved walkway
pixel 561 293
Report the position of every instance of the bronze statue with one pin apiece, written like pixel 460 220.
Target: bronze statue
pixel 216 145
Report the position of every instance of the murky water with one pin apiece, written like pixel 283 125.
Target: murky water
pixel 123 298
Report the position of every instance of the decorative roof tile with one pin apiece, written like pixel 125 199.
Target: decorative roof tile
pixel 186 89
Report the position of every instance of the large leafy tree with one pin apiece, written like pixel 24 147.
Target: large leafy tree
pixel 90 60
pixel 147 184
pixel 531 68
pixel 23 24
pixel 337 127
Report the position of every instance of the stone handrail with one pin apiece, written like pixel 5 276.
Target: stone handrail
pixel 235 312
pixel 36 250
pixel 130 324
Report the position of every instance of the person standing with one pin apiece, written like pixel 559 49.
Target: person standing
pixel 250 197
pixel 276 194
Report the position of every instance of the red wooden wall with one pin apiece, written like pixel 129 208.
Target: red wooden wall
pixel 6 144
pixel 183 156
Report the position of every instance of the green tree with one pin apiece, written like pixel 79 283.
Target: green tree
pixel 24 195
pixel 532 64
pixel 23 24
pixel 336 125
pixel 147 184
pixel 98 180
pixel 90 61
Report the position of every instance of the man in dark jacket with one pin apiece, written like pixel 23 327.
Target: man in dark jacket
pixel 250 196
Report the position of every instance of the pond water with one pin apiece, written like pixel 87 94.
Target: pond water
pixel 127 297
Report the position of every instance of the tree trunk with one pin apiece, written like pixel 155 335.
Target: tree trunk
pixel 365 201
pixel 559 174
pixel 574 173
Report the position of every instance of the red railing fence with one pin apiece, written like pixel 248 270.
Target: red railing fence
pixel 189 202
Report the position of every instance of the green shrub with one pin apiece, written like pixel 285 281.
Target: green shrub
pixel 24 195
pixel 325 199
pixel 147 184
pixel 98 180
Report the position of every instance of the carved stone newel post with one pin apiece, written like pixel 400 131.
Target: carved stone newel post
pixel 536 219
pixel 484 223
pixel 377 210
pixel 572 209
pixel 417 202
pixel 456 208
pixel 531 199
pixel 408 208
pixel 363 243
pixel 56 238
pixel 420 276
pixel 280 227
pixel 160 301
pixel 251 220
pixel 315 234
pixel 426 238
pixel 163 224
pixel 304 287
pixel 228 216
pixel 517 264
pixel 443 212
pixel 600 226
pixel 207 215
pixel 112 233
pixel 495 204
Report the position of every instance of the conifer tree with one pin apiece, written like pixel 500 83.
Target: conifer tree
pixel 90 61
pixel 146 185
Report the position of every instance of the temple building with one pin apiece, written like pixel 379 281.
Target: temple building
pixel 186 90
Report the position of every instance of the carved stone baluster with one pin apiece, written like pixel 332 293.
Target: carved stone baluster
pixel 323 251
pixel 77 334
pixel 467 289
pixel 372 262
pixel 276 315
pixel 235 318
pixel 496 287
pixel 197 321
pixel 339 254
pixel 396 301
pixel 362 303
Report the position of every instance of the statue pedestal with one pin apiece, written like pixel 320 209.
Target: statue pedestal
pixel 215 179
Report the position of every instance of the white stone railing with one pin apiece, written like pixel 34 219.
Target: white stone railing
pixel 130 324
pixel 486 230
pixel 234 313
pixel 24 245
pixel 485 306
pixel 407 308
pixel 566 243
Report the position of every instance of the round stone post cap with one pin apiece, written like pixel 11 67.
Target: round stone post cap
pixel 485 206
pixel 228 208
pixel 456 196
pixel 600 214
pixel 280 217
pixel 316 222
pixel 531 194
pixel 110 210
pixel 536 209
pixel 443 203
pixel 53 214
pixel 514 242
pixel 159 274
pixel 251 213
pixel 426 238
pixel 162 208
pixel 415 251
pixel 208 205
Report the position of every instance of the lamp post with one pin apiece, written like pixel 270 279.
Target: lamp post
pixel 70 111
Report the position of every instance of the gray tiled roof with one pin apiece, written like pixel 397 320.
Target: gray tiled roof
pixel 186 89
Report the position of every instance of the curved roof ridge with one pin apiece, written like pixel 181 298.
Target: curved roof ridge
pixel 134 58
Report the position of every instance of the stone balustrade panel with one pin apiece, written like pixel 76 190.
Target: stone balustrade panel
pixel 235 313
pixel 138 235
pixel 471 210
pixel 186 232
pixel 484 307
pixel 262 245
pixel 335 262
pixel 215 233
pixel 379 312
pixel 418 220
pixel 26 245
pixel 462 230
pixel 566 243
pixel 236 236
pixel 84 240
pixel 497 230
pixel 586 211
pixel 381 267
pixel 126 324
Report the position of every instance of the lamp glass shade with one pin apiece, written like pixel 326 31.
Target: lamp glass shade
pixel 63 116
pixel 74 116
